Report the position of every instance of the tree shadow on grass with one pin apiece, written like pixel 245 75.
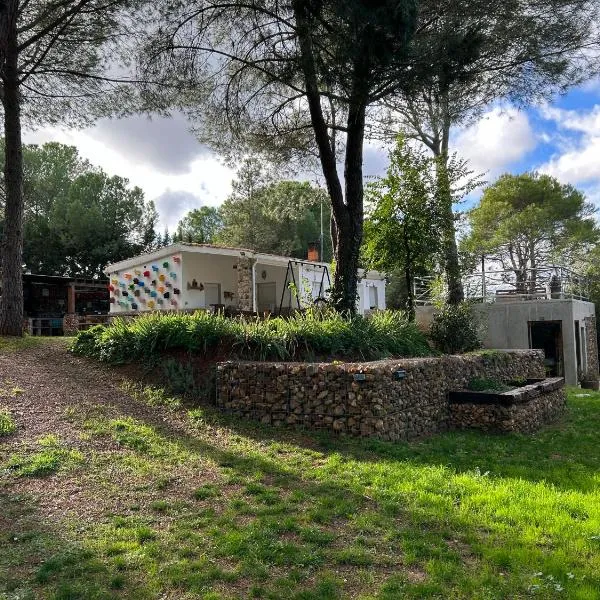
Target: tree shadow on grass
pixel 40 558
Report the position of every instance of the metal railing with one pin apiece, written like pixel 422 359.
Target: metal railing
pixel 543 283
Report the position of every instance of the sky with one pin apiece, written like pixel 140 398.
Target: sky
pixel 163 158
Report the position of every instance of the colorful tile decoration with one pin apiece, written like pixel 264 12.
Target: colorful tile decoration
pixel 138 294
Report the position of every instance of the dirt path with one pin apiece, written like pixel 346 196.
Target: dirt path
pixel 43 387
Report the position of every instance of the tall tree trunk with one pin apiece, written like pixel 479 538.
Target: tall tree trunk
pixel 451 263
pixel 347 212
pixel 408 276
pixel 349 222
pixel 11 306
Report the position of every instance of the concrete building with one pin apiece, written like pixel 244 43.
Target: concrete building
pixel 549 310
pixel 200 276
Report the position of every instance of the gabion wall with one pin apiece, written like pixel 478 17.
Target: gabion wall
pixel 390 400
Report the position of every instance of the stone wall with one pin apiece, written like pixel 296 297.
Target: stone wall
pixel 524 409
pixel 244 284
pixel 391 400
pixel 591 348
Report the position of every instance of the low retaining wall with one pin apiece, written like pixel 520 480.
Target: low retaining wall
pixel 390 400
pixel 524 409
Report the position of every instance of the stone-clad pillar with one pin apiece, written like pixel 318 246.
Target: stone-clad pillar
pixel 244 283
pixel 591 348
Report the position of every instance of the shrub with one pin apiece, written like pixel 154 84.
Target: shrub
pixel 455 328
pixel 7 425
pixel 483 384
pixel 310 335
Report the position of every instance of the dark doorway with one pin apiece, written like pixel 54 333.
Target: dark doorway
pixel 547 336
pixel 578 346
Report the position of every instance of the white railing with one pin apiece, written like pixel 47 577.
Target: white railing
pixel 544 283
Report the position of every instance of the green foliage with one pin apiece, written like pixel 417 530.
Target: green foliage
pixel 51 457
pixel 455 328
pixel 7 425
pixel 402 230
pixel 276 217
pixel 200 226
pixel 484 384
pixel 532 220
pixel 77 218
pixel 308 335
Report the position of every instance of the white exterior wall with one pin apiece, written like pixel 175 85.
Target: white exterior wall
pixel 364 304
pixel 208 268
pixel 217 266
pixel 151 296
pixel 268 273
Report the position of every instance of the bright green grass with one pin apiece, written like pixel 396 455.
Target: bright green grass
pixel 48 457
pixel 229 509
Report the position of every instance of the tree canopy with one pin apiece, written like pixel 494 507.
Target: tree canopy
pixel 280 218
pixel 78 218
pixel 55 59
pixel 200 226
pixel 532 220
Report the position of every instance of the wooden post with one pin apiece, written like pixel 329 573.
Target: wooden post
pixel 71 299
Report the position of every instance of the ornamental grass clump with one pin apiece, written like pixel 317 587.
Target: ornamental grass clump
pixel 312 335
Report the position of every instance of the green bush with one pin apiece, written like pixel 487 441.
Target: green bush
pixel 7 425
pixel 311 335
pixel 455 328
pixel 483 384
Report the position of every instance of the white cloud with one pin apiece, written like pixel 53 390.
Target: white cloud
pixel 578 161
pixel 204 177
pixel 500 138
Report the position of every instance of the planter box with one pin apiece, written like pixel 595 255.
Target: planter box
pixel 525 408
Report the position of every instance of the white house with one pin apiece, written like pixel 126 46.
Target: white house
pixel 200 276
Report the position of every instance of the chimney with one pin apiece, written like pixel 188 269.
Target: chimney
pixel 313 252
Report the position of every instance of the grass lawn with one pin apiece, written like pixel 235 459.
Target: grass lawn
pixel 171 502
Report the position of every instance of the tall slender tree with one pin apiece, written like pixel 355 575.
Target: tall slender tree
pixel 296 78
pixel 55 56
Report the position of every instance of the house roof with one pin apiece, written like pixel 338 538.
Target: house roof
pixel 183 247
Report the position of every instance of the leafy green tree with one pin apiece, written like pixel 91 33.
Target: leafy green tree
pixel 279 218
pixel 305 79
pixel 298 79
pixel 528 51
pixel 200 226
pixel 401 230
pixel 77 218
pixel 531 220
